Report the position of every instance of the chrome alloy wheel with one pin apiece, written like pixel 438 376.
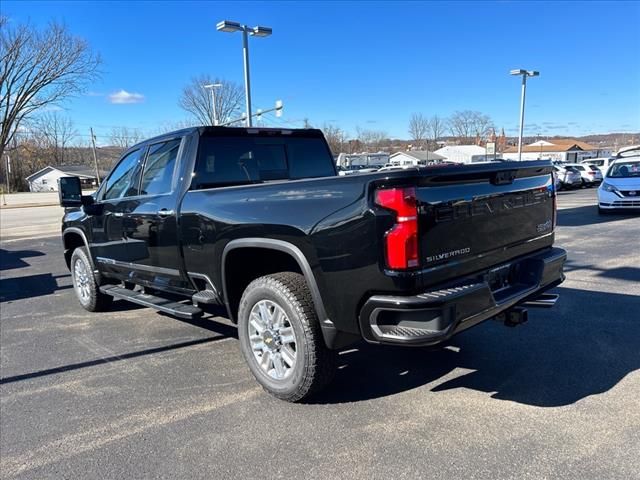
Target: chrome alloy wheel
pixel 272 339
pixel 81 280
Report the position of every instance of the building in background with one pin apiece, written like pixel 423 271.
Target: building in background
pixel 46 180
pixel 415 157
pixel 558 149
pixel 361 160
pixel 463 153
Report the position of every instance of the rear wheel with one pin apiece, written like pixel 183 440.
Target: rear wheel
pixel 280 337
pixel 85 284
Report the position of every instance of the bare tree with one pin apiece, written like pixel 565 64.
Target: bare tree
pixel 57 133
pixel 39 68
pixel 435 129
pixel 125 137
pixel 371 139
pixel 467 125
pixel 482 125
pixel 461 125
pixel 418 128
pixel 167 127
pixel 196 100
pixel 336 138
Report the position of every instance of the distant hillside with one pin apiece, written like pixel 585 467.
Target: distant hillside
pixel 107 156
pixel 612 139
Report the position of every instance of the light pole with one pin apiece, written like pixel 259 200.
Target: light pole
pixel 525 74
pixel 212 87
pixel 257 31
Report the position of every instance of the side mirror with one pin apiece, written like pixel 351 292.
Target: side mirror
pixel 69 192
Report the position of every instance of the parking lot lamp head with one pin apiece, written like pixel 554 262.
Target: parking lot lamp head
pixel 227 26
pixel 257 31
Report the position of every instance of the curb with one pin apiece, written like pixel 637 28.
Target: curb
pixel 28 205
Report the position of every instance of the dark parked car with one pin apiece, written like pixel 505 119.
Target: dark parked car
pixel 258 222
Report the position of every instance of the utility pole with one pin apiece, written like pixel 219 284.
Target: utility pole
pixel 212 86
pixel 8 171
pixel 524 74
pixel 247 80
pixel 95 155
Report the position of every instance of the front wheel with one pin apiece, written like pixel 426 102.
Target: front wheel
pixel 85 284
pixel 280 337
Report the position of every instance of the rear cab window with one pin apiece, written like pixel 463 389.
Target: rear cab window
pixel 255 158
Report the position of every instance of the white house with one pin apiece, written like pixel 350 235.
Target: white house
pixel 463 153
pixel 415 157
pixel 46 180
pixel 559 149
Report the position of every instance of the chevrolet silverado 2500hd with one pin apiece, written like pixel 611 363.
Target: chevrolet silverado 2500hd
pixel 257 221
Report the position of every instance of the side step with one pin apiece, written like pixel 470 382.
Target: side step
pixel 180 310
pixel 205 296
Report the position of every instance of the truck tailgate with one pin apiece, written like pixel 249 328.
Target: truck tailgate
pixel 463 215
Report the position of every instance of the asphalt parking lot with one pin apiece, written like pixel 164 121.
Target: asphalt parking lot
pixel 136 394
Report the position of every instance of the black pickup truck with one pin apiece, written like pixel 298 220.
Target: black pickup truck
pixel 257 222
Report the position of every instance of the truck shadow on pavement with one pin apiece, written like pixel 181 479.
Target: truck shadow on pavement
pixel 588 215
pixel 221 330
pixel 630 274
pixel 584 346
pixel 31 286
pixel 10 260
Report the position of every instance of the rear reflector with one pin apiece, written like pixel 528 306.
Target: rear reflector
pixel 402 240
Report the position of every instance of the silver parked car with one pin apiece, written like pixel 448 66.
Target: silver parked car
pixel 569 177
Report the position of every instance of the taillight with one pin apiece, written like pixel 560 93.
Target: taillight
pixel 402 240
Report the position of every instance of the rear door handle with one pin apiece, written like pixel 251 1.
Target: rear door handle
pixel 118 214
pixel 165 213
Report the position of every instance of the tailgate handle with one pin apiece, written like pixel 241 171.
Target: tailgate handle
pixel 504 178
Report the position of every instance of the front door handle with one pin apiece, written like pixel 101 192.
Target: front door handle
pixel 118 214
pixel 165 213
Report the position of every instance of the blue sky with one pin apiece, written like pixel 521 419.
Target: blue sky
pixel 367 64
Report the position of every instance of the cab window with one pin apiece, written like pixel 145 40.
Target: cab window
pixel 123 181
pixel 157 176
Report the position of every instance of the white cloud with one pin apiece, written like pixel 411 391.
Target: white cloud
pixel 123 96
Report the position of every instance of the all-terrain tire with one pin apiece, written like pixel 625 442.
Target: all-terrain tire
pixel 315 364
pixel 85 284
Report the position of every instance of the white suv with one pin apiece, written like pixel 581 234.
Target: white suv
pixel 589 176
pixel 603 164
pixel 620 189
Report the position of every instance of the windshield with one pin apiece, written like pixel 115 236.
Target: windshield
pixel 625 170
